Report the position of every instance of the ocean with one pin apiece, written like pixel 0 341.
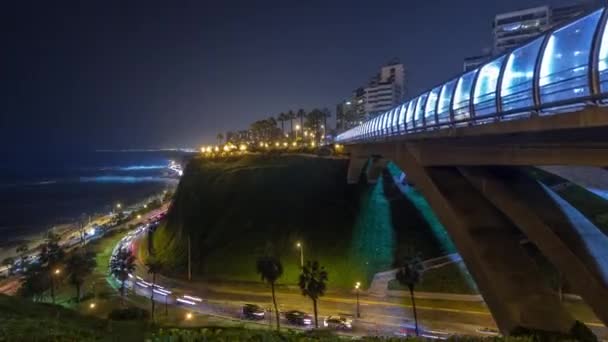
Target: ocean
pixel 40 192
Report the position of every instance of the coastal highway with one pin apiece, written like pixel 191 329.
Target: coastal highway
pixel 380 316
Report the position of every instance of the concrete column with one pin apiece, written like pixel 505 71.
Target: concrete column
pixel 374 169
pixel 569 241
pixel 356 166
pixel 489 245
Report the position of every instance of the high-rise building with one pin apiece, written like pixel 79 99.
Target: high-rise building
pixel 514 28
pixel 384 91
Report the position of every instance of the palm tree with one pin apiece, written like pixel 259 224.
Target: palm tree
pixel 301 115
pixel 326 115
pixel 219 138
pixel 271 269
pixel 154 267
pixel 410 274
pixel 312 283
pixel 79 266
pixel 22 251
pixel 121 266
pixel 291 116
pixel 282 118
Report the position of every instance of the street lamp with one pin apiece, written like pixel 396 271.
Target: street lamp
pixel 118 205
pixel 297 129
pixel 92 306
pixel 189 316
pixel 139 217
pixel 301 248
pixel 56 272
pixel 357 286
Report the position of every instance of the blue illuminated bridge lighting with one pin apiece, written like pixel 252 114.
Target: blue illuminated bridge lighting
pixel 563 70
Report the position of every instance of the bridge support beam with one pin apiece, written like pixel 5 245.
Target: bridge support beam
pixel 570 242
pixel 489 245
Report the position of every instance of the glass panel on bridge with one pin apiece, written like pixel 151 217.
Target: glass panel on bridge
pixel 462 96
pixel 445 98
pixel 431 105
pixel 395 124
pixel 385 118
pixel 484 97
pixel 410 114
pixel 564 71
pixel 518 78
pixel 603 61
pixel 401 119
pixel 419 116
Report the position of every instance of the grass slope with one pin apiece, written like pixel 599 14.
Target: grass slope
pixel 232 209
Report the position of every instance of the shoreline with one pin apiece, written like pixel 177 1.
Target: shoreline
pixel 65 230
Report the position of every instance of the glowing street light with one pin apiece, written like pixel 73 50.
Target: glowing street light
pixel 243 147
pixel 294 144
pixel 276 144
pixel 189 316
pixel 216 149
pixel 301 248
pixel 297 127
pixel 285 144
pixel 92 306
pixel 357 286
pixel 139 217
pixel 145 206
pixel 118 205
pixel 57 271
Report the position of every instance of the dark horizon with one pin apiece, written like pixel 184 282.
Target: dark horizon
pixel 143 75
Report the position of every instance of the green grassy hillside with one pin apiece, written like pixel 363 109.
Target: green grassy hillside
pixel 232 209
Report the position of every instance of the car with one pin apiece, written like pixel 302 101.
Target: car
pixel 338 322
pixel 252 311
pixel 298 317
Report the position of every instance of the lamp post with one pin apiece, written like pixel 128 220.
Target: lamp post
pixel 357 286
pixel 301 248
pixel 297 129
pixel 56 273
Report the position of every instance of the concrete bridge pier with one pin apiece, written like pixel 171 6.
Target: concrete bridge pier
pixel 374 170
pixel 489 244
pixel 565 237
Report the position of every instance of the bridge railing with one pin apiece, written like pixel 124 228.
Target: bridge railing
pixel 562 69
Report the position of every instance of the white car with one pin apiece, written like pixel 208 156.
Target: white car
pixel 338 322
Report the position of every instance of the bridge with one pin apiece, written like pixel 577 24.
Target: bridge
pixel 465 144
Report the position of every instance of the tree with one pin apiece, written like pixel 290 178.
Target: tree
pixel 79 266
pixel 121 266
pixel 9 262
pixel 51 255
pixel 410 274
pixel 326 114
pixel 282 118
pixel 301 115
pixel 313 283
pixel 271 269
pixel 154 267
pixel 22 250
pixel 219 138
pixel 35 282
pixel 291 116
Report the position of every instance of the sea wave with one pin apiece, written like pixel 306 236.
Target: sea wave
pixel 133 168
pixel 123 179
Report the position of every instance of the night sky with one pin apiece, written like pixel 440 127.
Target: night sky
pixel 128 74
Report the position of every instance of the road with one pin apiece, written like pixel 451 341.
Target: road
pixel 379 316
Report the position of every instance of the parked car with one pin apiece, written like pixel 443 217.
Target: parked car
pixel 252 311
pixel 338 322
pixel 298 317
